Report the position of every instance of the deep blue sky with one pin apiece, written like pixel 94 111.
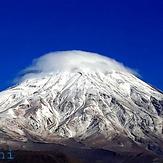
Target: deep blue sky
pixel 129 31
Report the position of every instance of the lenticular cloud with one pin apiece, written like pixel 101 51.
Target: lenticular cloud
pixel 74 60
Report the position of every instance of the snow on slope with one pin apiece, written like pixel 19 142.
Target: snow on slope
pixel 110 109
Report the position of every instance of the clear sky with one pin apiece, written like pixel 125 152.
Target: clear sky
pixel 128 31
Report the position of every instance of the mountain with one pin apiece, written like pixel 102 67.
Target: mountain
pixel 113 111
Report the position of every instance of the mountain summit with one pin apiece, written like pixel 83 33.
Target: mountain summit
pixel 105 107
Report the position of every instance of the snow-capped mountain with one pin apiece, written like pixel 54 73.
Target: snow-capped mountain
pixel 113 110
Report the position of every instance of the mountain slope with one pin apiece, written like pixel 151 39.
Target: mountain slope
pixel 113 110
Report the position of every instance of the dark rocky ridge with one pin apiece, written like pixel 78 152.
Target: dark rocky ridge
pixel 53 153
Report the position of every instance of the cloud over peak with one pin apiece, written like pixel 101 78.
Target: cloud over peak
pixel 74 60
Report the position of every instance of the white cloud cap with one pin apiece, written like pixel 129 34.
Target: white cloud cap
pixel 74 60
